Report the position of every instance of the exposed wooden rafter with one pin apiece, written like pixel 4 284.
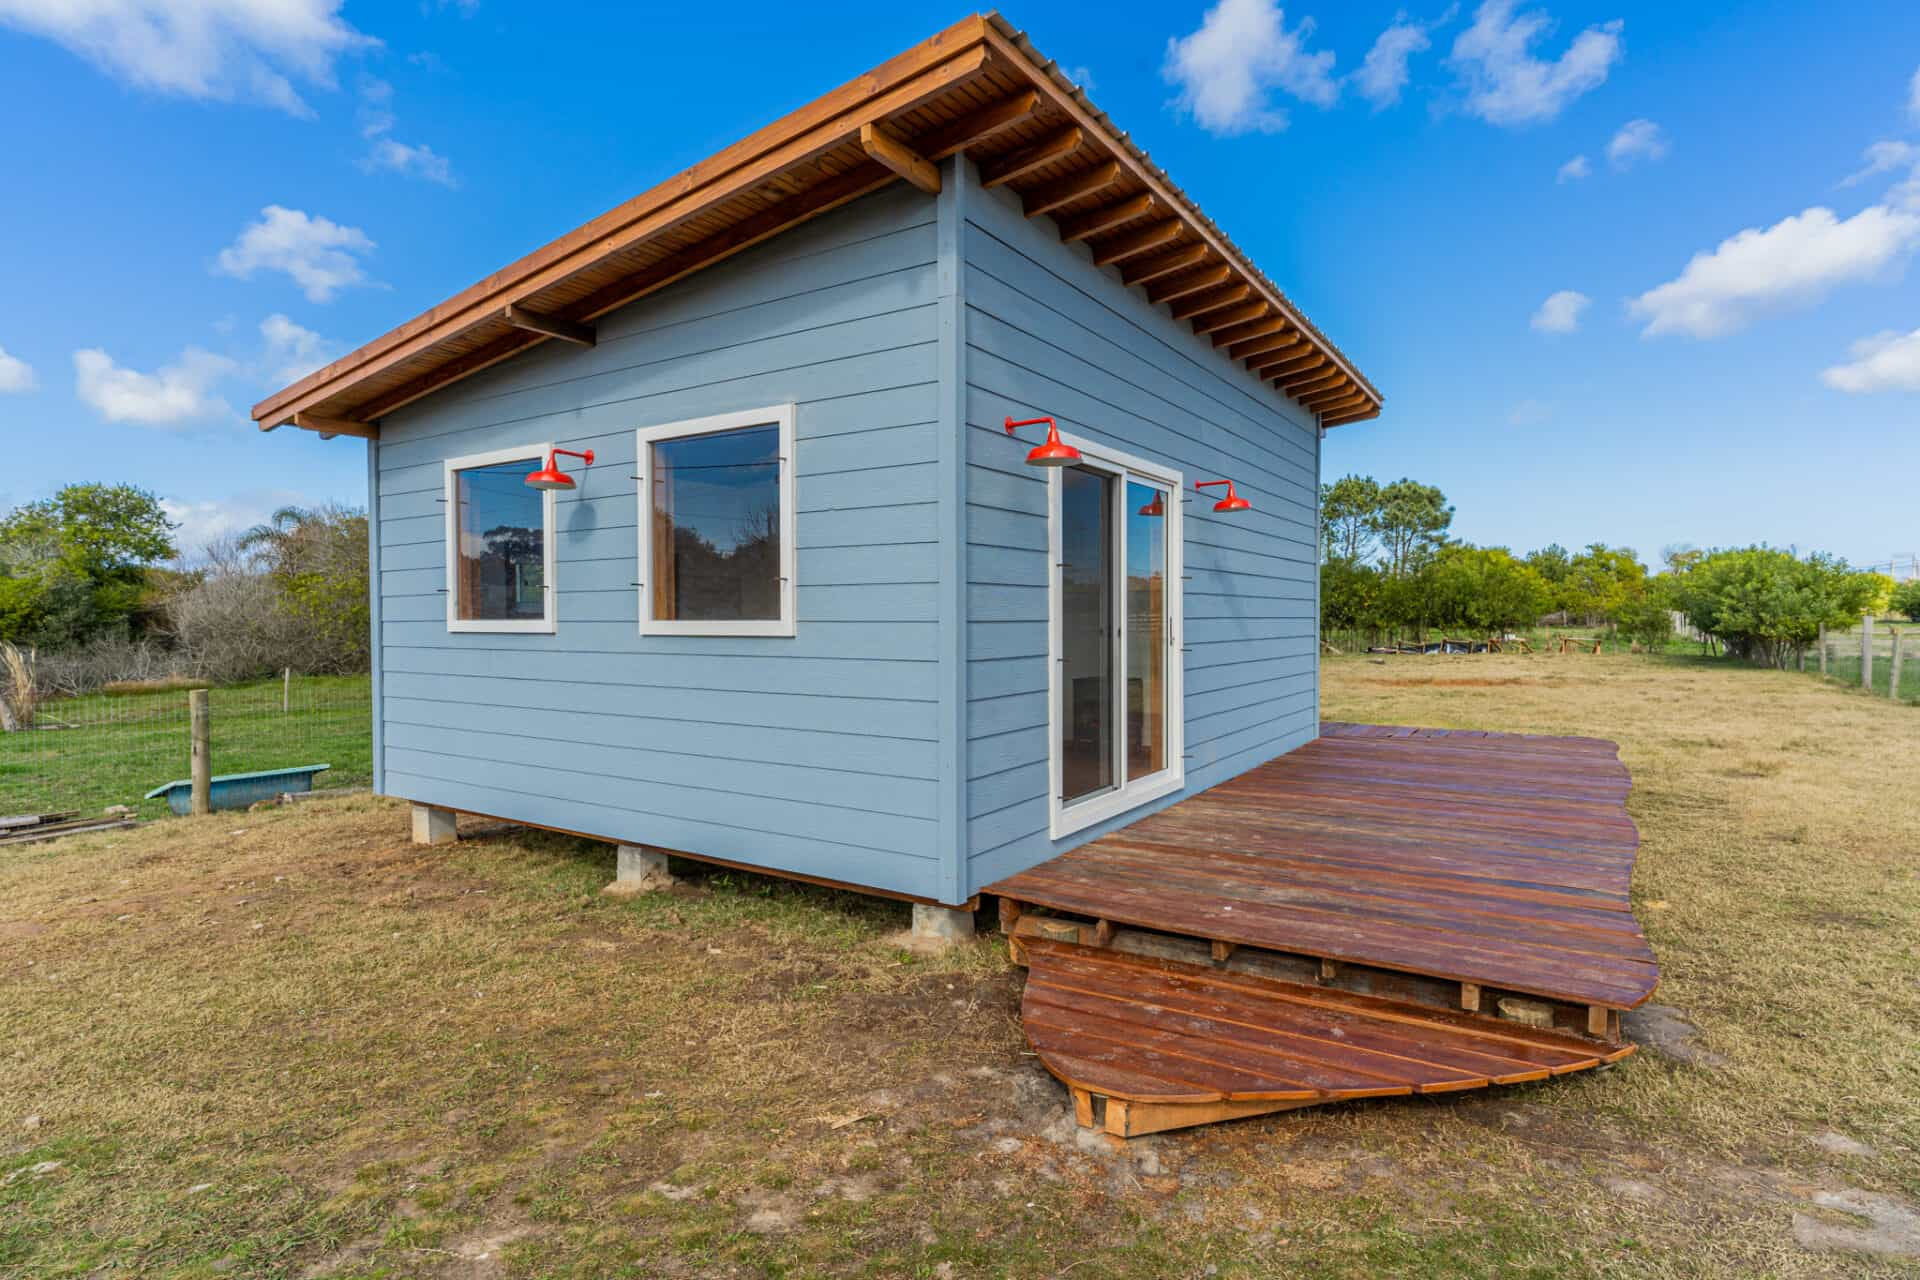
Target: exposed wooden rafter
pixel 1137 242
pixel 1262 351
pixel 1227 317
pixel 330 427
pixel 1196 304
pixel 1259 326
pixel 1341 398
pixel 900 158
pixel 549 326
pixel 1164 265
pixel 1077 187
pixel 1093 222
pixel 1306 384
pixel 1054 147
pixel 1168 290
pixel 1285 364
pixel 977 126
pixel 1356 415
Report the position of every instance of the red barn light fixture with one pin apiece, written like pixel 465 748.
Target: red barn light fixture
pixel 1155 508
pixel 551 476
pixel 1055 452
pixel 1232 502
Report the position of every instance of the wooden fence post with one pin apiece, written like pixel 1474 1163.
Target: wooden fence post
pixel 1893 683
pixel 199 731
pixel 1823 648
pixel 286 691
pixel 1866 651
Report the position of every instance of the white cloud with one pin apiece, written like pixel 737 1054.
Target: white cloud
pixel 1883 157
pixel 1636 140
pixel 1081 75
pixel 292 352
pixel 180 394
pixel 384 151
pixel 1507 85
pixel 1560 313
pixel 1885 362
pixel 225 50
pixel 1383 75
pixel 15 374
pixel 320 255
pixel 1574 170
pixel 203 522
pixel 1795 261
pixel 1242 52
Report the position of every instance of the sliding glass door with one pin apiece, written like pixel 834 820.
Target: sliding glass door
pixel 1115 637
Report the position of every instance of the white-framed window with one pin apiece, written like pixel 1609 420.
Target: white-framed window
pixel 1115 620
pixel 499 543
pixel 716 525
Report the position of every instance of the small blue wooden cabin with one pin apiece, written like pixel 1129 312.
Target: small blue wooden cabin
pixel 811 608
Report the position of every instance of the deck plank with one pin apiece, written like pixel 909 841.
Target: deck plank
pixel 1504 860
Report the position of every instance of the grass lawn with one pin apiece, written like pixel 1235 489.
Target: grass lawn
pixel 121 746
pixel 292 1044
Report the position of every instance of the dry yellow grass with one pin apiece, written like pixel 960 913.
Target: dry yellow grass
pixel 291 1044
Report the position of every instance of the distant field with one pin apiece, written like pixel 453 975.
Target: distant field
pixel 114 748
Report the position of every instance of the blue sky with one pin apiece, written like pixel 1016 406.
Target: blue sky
pixel 1712 336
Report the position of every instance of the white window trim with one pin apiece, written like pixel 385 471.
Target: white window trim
pixel 1063 819
pixel 537 454
pixel 780 415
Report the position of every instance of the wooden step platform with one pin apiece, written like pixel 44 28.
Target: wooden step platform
pixel 1148 1044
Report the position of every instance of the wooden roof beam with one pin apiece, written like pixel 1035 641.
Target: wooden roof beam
pixel 1203 302
pixel 1257 327
pixel 1168 290
pixel 1131 246
pixel 1077 187
pixel 1339 398
pixel 331 427
pixel 1227 317
pixel 1358 415
pixel 549 326
pixel 900 158
pixel 1286 363
pixel 1164 265
pixel 976 126
pixel 1092 223
pixel 1265 350
pixel 1304 385
pixel 1055 146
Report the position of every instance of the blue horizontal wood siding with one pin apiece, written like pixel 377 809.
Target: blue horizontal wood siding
pixel 817 754
pixel 1049 333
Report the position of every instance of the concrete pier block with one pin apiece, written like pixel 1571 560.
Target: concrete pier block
pixel 638 869
pixel 433 825
pixel 936 928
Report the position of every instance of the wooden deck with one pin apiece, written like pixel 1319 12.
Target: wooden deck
pixel 1476 880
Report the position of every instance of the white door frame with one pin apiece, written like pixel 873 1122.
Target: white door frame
pixel 1066 818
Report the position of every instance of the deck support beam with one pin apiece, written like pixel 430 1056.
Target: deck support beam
pixel 1470 997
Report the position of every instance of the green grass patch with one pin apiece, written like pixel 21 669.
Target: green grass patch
pixel 112 748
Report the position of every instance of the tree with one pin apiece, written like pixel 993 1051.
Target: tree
pixel 1411 524
pixel 1349 508
pixel 1767 605
pixel 74 566
pixel 1647 618
pixel 1484 589
pixel 1602 579
pixel 317 560
pixel 1906 600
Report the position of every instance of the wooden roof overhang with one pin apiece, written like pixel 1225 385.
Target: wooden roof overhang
pixel 978 87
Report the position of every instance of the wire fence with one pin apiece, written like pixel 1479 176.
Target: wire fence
pixel 86 754
pixel 1864 657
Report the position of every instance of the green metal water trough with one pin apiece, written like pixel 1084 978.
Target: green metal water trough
pixel 239 790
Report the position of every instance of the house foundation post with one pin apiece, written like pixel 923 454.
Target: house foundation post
pixel 637 869
pixel 936 928
pixel 432 825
